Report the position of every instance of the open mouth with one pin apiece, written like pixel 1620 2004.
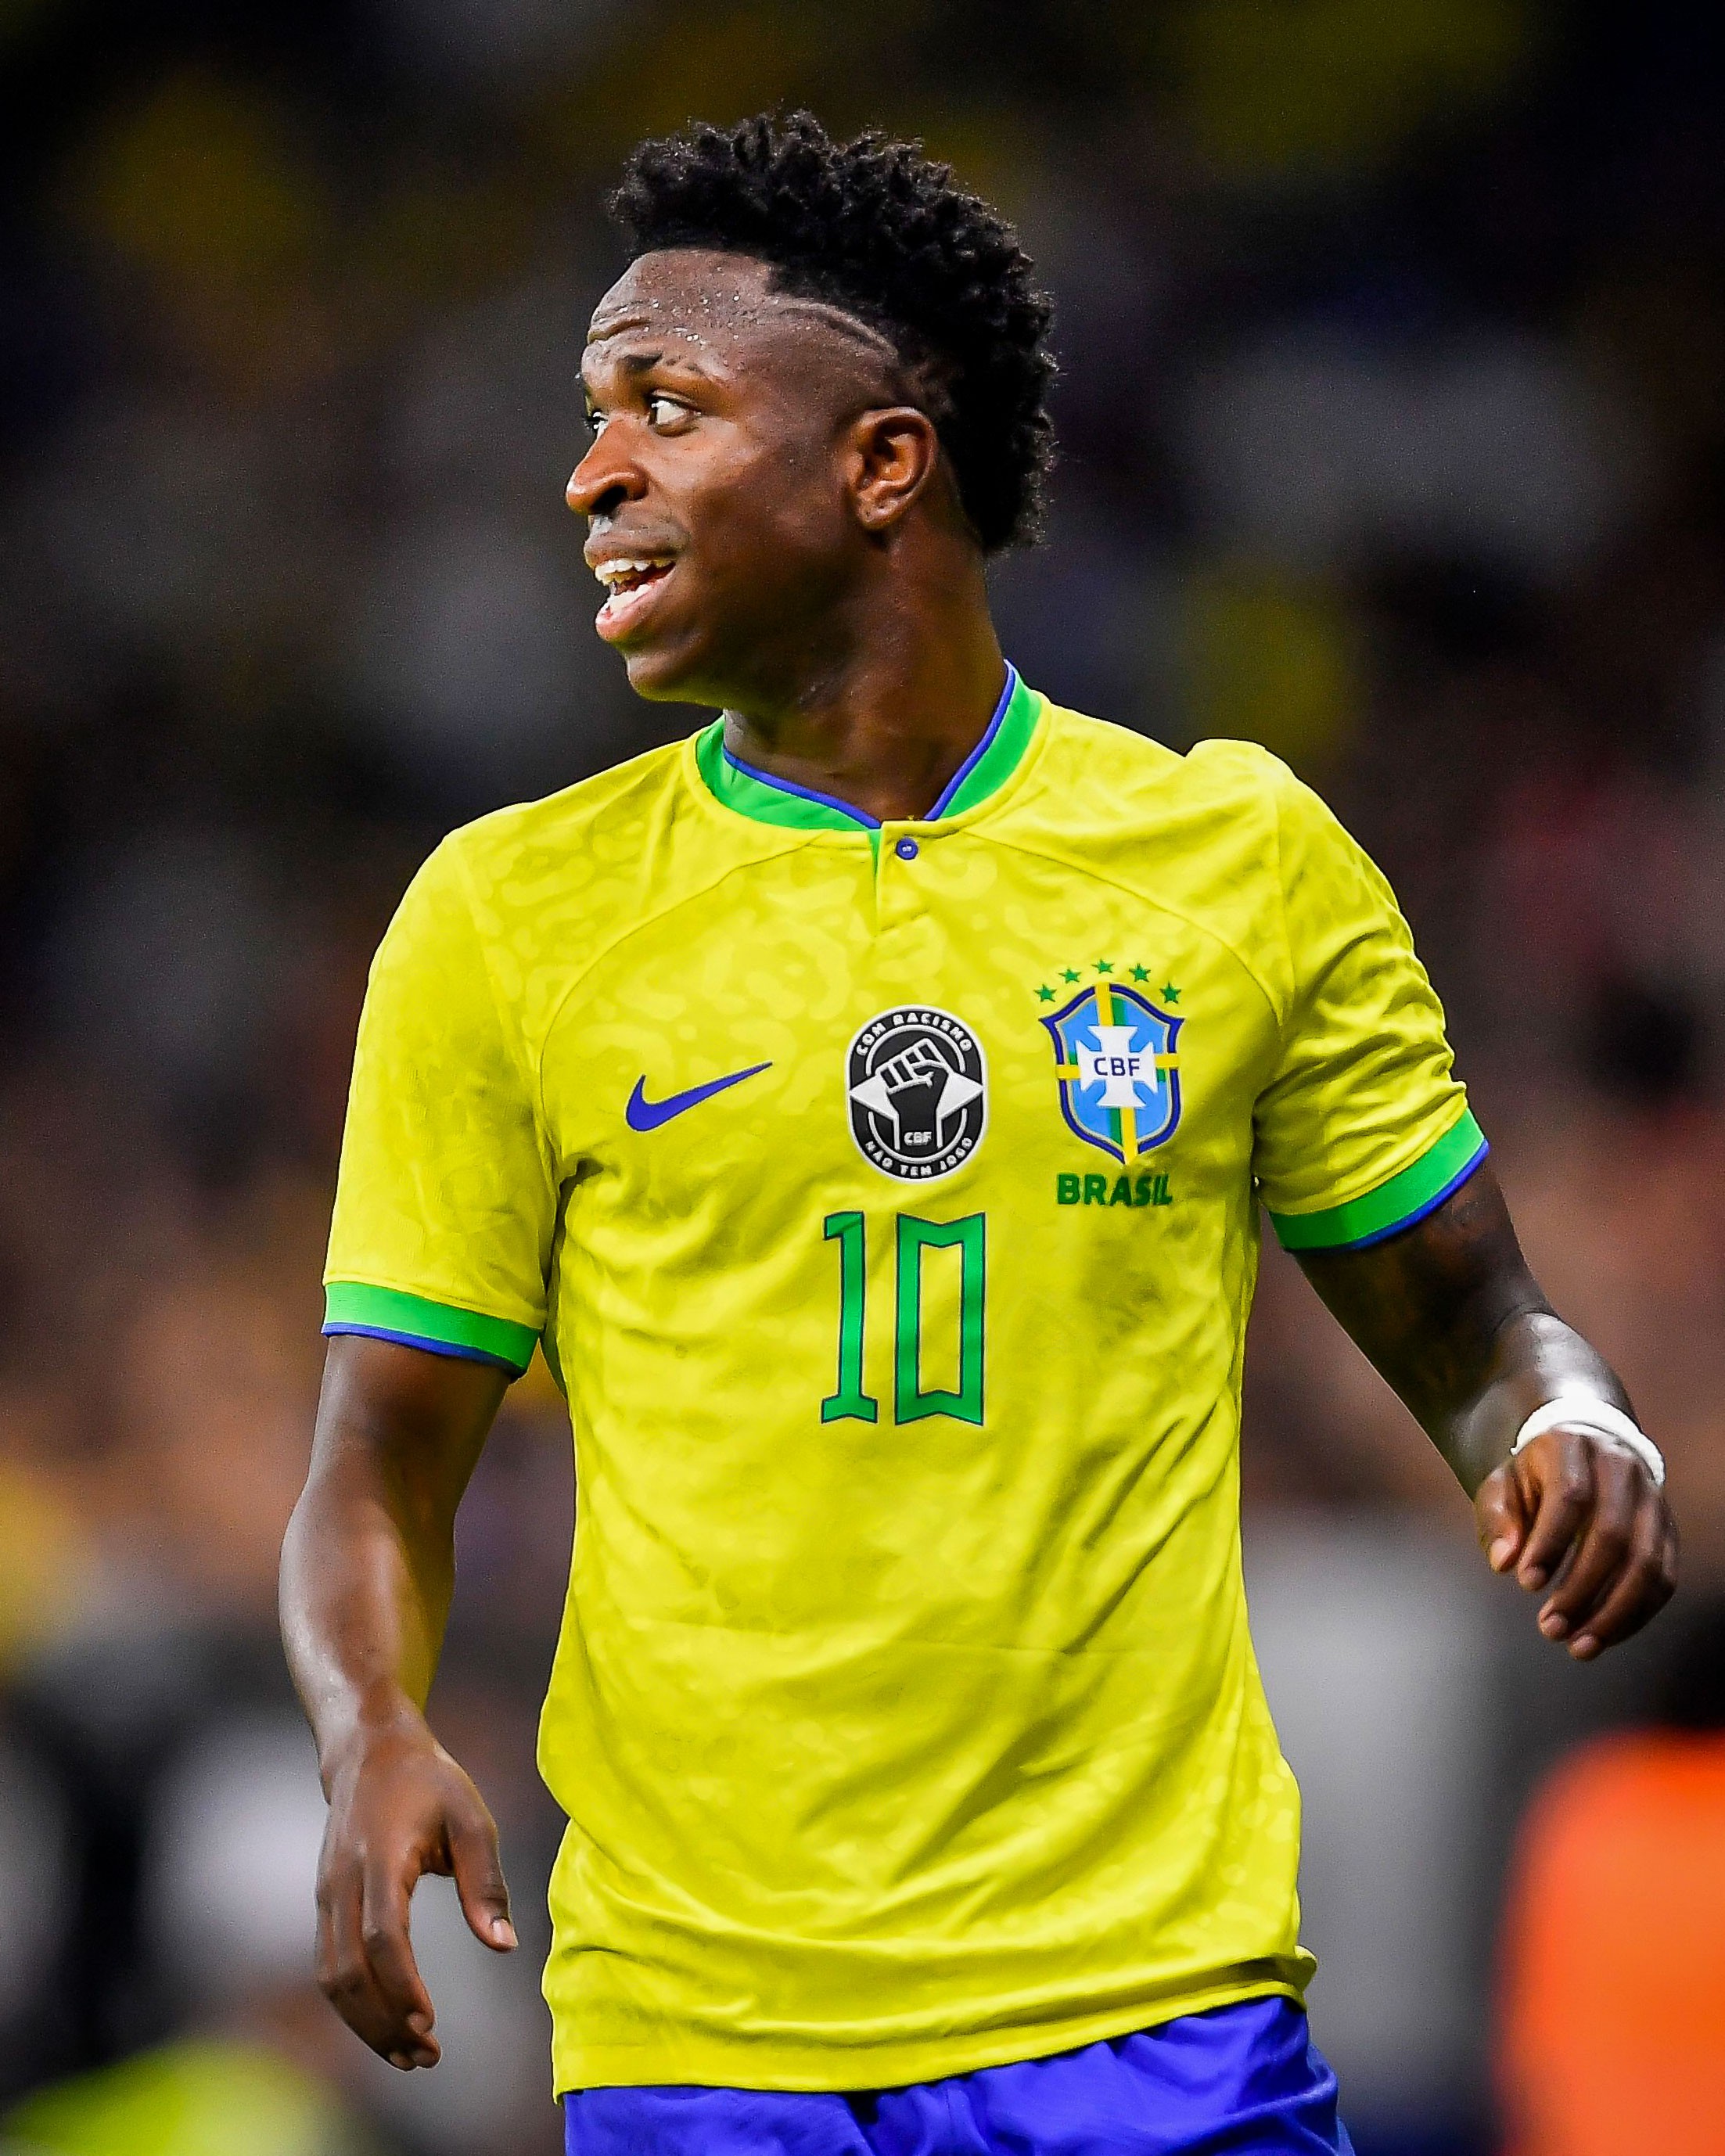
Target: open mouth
pixel 630 581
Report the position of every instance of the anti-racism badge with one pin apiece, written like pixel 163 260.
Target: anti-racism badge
pixel 918 1089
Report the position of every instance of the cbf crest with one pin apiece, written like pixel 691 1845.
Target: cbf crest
pixel 1119 1069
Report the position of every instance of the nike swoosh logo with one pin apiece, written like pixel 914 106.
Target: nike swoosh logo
pixel 644 1115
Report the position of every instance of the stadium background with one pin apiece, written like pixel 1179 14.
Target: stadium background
pixel 1394 428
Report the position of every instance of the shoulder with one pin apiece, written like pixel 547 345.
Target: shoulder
pixel 1207 821
pixel 1195 834
pixel 548 887
pixel 1223 814
pixel 562 874
pixel 1097 770
pixel 527 895
pixel 567 840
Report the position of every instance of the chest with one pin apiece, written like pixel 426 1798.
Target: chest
pixel 834 1030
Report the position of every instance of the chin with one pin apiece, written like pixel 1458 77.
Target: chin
pixel 657 678
pixel 670 674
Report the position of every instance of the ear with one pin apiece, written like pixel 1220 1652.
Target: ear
pixel 892 456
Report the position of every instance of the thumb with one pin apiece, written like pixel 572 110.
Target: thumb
pixel 1499 1518
pixel 478 1870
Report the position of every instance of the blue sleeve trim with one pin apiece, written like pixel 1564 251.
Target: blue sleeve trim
pixel 1431 1204
pixel 449 1347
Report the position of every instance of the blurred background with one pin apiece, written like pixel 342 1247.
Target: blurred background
pixel 1393 430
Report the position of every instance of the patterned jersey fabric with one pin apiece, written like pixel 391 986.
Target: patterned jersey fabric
pixel 887 1200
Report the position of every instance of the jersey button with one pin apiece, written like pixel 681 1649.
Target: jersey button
pixel 906 850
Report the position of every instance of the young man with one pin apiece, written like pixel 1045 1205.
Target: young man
pixel 867 1103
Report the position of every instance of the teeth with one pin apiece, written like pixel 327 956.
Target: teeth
pixel 618 571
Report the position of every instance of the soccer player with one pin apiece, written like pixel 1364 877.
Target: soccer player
pixel 867 1103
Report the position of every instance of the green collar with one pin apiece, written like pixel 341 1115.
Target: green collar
pixel 768 800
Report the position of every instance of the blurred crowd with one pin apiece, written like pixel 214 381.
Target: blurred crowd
pixel 1392 416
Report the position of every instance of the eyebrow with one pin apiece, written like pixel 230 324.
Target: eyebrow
pixel 619 326
pixel 635 364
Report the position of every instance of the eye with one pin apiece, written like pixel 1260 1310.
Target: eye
pixel 663 411
pixel 595 423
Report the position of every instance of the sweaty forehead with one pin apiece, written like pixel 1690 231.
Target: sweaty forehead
pixel 722 310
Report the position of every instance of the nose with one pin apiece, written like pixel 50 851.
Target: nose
pixel 605 478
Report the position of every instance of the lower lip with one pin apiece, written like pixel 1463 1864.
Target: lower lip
pixel 623 611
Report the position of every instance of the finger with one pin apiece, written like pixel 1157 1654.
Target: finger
pixel 1499 1518
pixel 1604 1546
pixel 344 1973
pixel 1647 1584
pixel 336 1958
pixel 477 1867
pixel 400 2006
pixel 1561 1476
pixel 342 1962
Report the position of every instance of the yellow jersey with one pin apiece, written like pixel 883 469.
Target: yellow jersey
pixel 886 1197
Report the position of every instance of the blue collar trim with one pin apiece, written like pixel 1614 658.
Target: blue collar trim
pixel 980 750
pixel 802 792
pixel 949 792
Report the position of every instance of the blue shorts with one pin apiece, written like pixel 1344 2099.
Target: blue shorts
pixel 1240 2080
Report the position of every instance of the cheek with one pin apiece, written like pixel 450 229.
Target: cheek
pixel 771 514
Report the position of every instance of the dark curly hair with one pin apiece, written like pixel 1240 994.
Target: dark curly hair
pixel 875 227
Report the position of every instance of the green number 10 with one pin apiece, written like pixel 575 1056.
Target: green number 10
pixel 848 1402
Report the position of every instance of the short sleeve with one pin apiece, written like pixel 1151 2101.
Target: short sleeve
pixel 1363 1127
pixel 446 1203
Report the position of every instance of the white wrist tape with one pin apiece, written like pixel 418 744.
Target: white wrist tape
pixel 1581 1411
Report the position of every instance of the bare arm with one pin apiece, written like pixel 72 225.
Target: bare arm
pixel 367 1573
pixel 1449 1315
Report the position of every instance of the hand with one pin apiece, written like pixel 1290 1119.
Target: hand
pixel 1576 1508
pixel 399 1807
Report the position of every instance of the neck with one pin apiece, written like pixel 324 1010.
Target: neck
pixel 885 722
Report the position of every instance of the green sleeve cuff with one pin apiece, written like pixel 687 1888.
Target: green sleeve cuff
pixel 384 1313
pixel 1406 1198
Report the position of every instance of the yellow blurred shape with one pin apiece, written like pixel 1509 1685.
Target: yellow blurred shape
pixel 44 1561
pixel 1273 86
pixel 196 2098
pixel 200 181
pixel 995 150
pixel 711 63
pixel 1269 661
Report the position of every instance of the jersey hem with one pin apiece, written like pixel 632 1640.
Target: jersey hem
pixel 1398 1203
pixel 386 1314
pixel 745 2062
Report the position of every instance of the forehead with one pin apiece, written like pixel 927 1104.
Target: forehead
pixel 721 312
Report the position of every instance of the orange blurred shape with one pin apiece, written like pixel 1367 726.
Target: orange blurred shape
pixel 1613 2033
